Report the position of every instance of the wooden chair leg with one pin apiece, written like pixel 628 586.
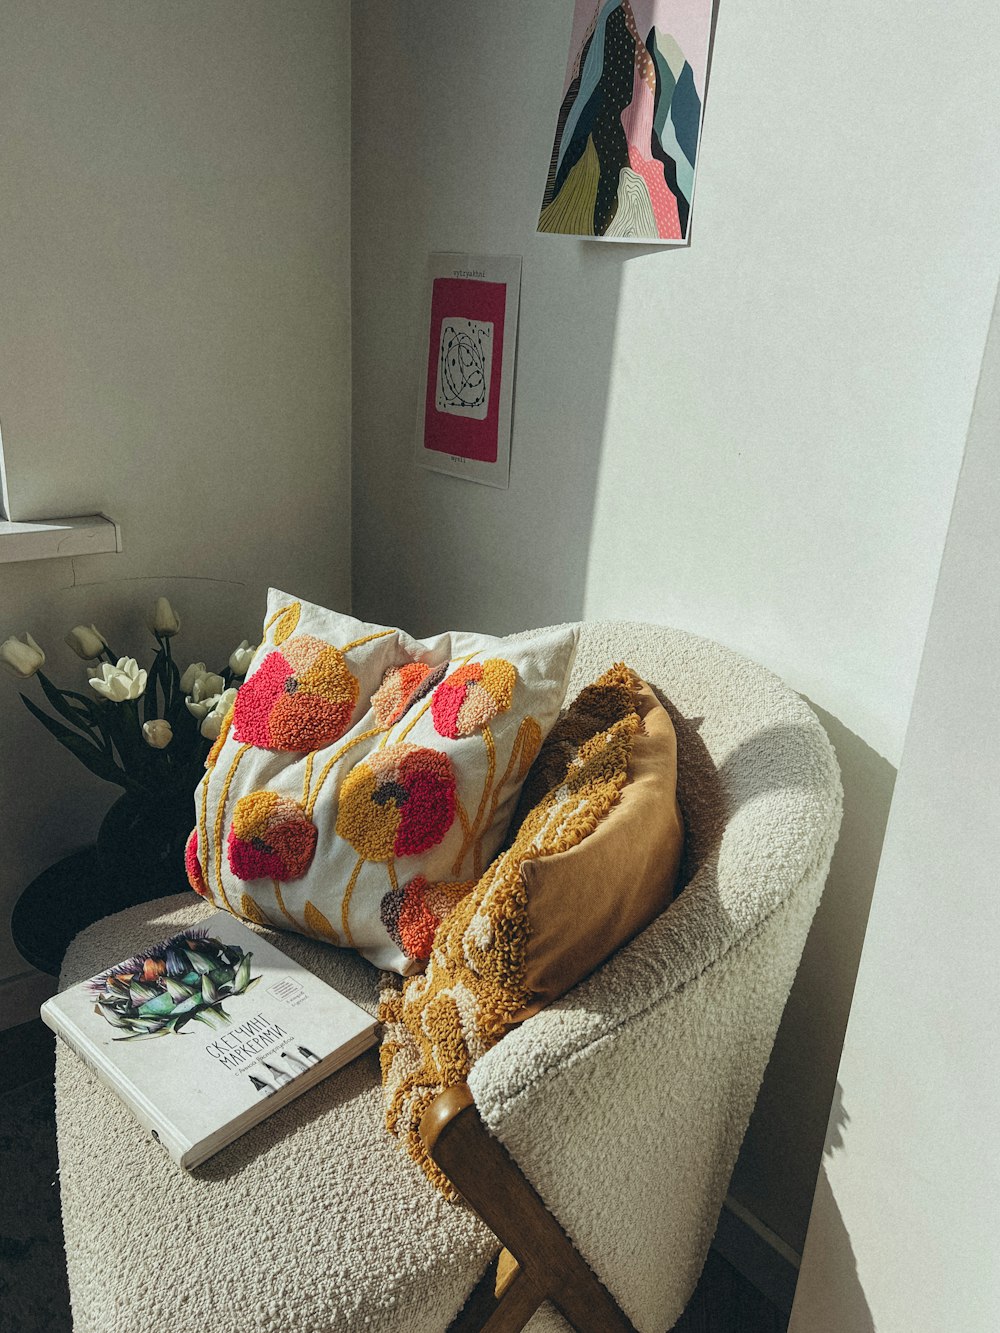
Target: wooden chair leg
pixel 502 1302
pixel 548 1265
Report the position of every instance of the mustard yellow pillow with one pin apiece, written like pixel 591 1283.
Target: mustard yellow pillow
pixel 590 896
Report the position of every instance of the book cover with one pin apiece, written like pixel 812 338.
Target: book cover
pixel 206 1033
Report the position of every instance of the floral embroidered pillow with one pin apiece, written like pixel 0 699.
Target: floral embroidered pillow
pixel 364 779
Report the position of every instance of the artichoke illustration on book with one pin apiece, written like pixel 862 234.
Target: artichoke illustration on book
pixel 186 977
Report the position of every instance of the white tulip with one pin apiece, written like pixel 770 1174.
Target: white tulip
pixel 212 723
pixel 158 733
pixel 122 681
pixel 207 686
pixel 204 694
pixel 240 659
pixel 163 620
pixel 189 677
pixel 22 657
pixel 87 642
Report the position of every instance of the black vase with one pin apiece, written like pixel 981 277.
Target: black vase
pixel 141 846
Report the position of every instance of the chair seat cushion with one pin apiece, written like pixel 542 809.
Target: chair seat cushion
pixel 314 1220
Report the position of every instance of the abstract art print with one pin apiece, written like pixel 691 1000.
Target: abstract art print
pixel 626 144
pixel 466 399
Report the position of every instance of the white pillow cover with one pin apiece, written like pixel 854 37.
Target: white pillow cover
pixel 365 779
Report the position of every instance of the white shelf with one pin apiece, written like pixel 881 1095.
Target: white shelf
pixel 44 540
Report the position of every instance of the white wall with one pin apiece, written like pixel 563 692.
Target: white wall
pixel 903 1232
pixel 174 340
pixel 757 437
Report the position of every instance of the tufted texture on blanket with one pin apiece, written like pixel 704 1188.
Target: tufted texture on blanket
pixel 625 1102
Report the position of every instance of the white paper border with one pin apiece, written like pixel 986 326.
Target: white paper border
pixel 485 268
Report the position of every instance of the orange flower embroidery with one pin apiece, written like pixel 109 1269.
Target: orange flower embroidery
pixel 413 913
pixel 472 697
pixel 401 687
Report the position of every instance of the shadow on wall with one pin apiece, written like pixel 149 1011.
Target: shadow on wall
pixel 433 551
pixel 482 565
pixel 841 1279
pixel 794 1104
pixel 533 571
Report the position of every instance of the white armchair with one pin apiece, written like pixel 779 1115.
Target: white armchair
pixel 623 1105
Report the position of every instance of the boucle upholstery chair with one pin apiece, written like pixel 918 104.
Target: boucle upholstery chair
pixel 624 1104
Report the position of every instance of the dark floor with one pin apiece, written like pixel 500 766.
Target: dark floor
pixel 725 1302
pixel 34 1297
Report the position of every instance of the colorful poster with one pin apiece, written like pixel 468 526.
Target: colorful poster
pixel 626 145
pixel 466 399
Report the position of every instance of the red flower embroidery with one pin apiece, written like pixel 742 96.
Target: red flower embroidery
pixel 472 696
pixel 299 698
pixel 398 802
pixel 192 864
pixel 271 837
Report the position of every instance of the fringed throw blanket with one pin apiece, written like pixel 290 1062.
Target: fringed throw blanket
pixel 476 984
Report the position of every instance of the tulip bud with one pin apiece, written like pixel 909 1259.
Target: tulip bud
pixel 163 619
pixel 226 701
pixel 240 659
pixel 87 642
pixel 211 725
pixel 189 677
pixel 158 733
pixel 22 657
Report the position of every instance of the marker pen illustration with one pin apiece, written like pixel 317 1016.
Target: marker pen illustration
pixel 261 1086
pixel 294 1063
pixel 312 1059
pixel 279 1075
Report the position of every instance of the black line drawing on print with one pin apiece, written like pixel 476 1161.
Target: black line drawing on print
pixel 465 365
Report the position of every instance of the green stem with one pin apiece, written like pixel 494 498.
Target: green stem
pixel 59 699
pixel 168 676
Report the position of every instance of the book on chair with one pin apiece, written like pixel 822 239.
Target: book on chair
pixel 205 1034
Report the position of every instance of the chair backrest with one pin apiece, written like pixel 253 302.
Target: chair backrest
pixel 625 1103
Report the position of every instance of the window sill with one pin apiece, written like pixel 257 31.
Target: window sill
pixel 91 535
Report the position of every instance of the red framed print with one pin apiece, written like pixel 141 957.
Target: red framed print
pixel 467 389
